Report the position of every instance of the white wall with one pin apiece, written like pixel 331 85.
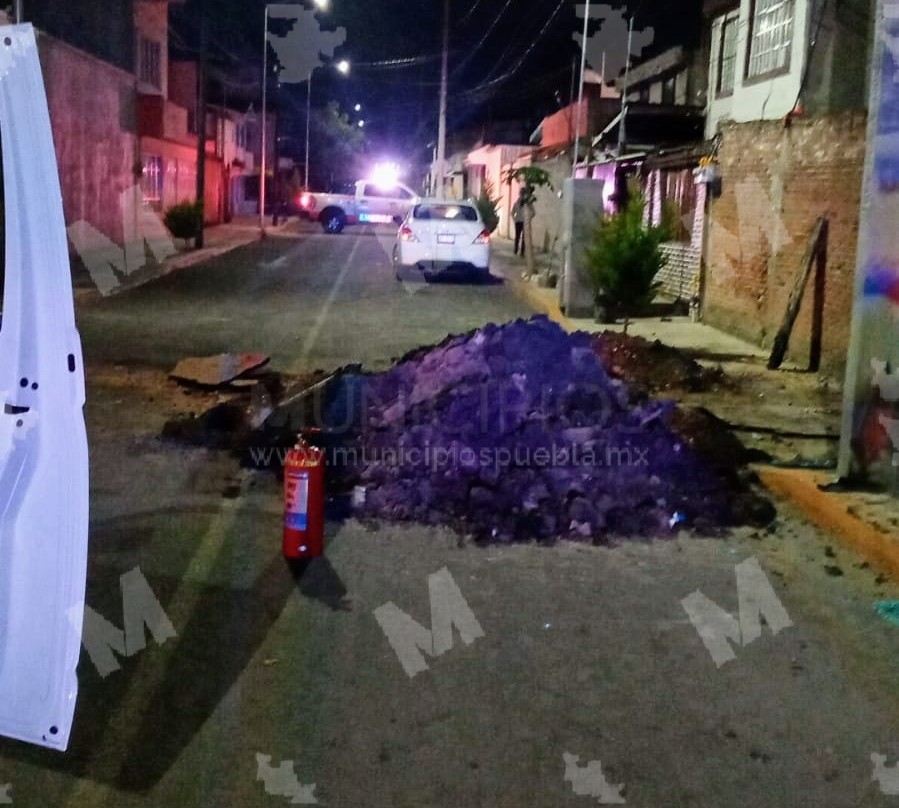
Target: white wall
pixel 759 100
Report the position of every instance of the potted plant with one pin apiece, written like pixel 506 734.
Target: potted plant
pixel 488 204
pixel 623 258
pixel 184 220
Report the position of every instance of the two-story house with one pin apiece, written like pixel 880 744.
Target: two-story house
pixel 787 93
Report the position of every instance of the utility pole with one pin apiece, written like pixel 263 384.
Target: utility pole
pixel 580 95
pixel 201 127
pixel 18 11
pixel 444 80
pixel 627 73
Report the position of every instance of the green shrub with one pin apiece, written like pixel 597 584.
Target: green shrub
pixel 488 205
pixel 623 258
pixel 184 220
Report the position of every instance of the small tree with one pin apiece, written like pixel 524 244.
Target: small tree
pixel 184 220
pixel 531 178
pixel 623 258
pixel 488 204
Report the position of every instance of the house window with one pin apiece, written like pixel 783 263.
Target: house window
pixel 770 37
pixel 151 179
pixel 727 55
pixel 150 71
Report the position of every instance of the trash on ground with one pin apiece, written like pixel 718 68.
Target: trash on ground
pixel 888 610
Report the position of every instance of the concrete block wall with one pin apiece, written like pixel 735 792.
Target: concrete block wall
pixel 776 181
pixel 678 277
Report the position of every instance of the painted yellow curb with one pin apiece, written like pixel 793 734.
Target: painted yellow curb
pixel 539 303
pixel 830 511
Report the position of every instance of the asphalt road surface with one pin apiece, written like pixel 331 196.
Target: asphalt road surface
pixel 306 298
pixel 585 682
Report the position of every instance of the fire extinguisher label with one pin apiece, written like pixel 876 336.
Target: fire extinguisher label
pixel 297 510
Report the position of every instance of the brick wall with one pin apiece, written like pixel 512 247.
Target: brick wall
pixel 776 181
pixel 94 134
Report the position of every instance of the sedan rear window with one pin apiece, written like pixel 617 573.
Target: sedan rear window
pixel 462 213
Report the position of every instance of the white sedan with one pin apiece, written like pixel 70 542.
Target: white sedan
pixel 439 235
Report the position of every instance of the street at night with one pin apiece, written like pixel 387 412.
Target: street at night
pixel 461 404
pixel 585 650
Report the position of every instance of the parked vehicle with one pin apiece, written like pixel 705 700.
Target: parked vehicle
pixel 370 202
pixel 438 236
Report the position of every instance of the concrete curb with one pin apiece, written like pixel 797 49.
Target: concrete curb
pixel 525 291
pixel 832 511
pixel 85 295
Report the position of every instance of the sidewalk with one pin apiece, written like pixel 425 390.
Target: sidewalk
pixel 218 240
pixel 790 408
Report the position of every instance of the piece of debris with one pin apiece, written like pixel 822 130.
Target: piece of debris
pixel 888 610
pixel 218 428
pixel 832 569
pixel 517 432
pixel 215 371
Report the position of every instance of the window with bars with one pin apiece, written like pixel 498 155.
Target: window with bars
pixel 150 63
pixel 151 178
pixel 727 55
pixel 770 37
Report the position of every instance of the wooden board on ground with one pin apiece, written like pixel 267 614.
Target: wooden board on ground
pixel 214 371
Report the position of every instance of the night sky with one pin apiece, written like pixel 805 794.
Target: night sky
pixel 508 59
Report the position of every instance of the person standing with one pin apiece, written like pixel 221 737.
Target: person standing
pixel 518 216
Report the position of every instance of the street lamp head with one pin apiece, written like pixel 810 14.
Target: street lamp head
pixel 361 124
pixel 343 66
pixel 321 4
pixel 358 107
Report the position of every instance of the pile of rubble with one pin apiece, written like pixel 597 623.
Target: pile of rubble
pixel 519 432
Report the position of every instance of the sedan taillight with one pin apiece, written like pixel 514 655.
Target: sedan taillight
pixel 406 234
pixel 307 201
pixel 483 237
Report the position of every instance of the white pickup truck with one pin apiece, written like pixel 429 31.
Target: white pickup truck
pixel 371 202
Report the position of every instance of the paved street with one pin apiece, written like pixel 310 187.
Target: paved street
pixel 586 651
pixel 308 299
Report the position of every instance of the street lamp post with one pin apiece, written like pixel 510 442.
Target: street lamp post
pixel 343 66
pixel 308 116
pixel 264 114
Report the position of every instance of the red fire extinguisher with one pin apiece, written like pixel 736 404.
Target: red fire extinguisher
pixel 304 502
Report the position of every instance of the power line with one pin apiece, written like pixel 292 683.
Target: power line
pixel 470 11
pixel 480 44
pixel 518 42
pixel 514 69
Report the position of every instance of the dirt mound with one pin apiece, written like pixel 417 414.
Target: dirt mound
pixel 518 432
pixel 651 367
